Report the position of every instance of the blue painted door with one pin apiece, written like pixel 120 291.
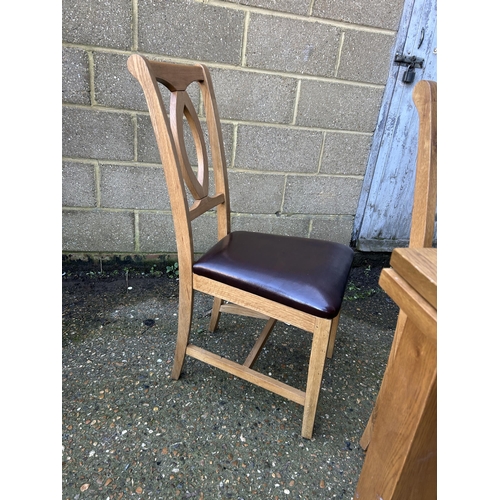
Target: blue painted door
pixel 383 218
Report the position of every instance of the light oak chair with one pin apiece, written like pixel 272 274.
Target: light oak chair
pixel 424 201
pixel 299 281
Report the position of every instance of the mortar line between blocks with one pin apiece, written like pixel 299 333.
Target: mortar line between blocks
pixel 218 65
pixel 235 141
pixel 97 180
pixel 107 109
pixel 245 39
pixel 311 6
pixel 135 25
pixel 296 104
pixel 137 246
pixel 299 17
pixel 295 174
pixel 134 123
pixel 133 163
pixel 91 78
pixel 110 161
pixel 339 53
pixel 310 228
pixel 320 160
pixel 119 210
pixel 283 195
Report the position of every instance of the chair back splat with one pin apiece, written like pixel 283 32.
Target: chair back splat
pixel 247 273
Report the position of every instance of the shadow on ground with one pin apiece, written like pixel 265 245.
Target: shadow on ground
pixel 129 431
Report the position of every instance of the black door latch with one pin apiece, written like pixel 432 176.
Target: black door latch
pixel 412 62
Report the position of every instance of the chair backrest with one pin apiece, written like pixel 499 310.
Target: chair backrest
pixel 169 131
pixel 425 197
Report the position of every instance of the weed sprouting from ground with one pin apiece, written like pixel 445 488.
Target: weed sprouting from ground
pixel 155 271
pixel 355 292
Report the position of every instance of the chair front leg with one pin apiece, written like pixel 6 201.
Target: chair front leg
pixel 333 334
pixel 321 337
pixel 183 329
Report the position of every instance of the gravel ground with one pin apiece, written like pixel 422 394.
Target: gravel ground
pixel 129 431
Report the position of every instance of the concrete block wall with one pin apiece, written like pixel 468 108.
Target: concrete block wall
pixel 299 87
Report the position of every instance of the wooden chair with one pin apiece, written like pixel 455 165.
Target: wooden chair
pixel 247 273
pixel 424 200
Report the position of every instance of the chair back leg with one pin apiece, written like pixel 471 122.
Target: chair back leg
pixel 214 318
pixel 333 334
pixel 183 329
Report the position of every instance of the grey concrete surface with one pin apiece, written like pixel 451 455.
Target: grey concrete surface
pixel 129 431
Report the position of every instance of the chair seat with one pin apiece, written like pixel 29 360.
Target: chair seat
pixel 307 274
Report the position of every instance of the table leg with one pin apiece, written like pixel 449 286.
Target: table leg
pixel 401 460
pixel 367 434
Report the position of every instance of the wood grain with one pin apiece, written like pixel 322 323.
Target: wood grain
pixel 418 267
pixel 179 175
pixel 402 457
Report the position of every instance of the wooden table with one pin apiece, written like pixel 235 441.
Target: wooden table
pixel 401 461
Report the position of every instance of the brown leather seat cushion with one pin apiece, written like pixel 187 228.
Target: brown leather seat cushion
pixel 307 274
